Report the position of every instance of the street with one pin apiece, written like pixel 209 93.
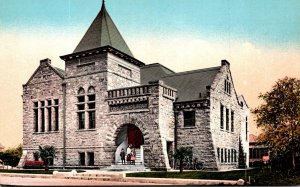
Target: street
pixel 19 181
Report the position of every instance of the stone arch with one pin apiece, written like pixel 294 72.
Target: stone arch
pixel 126 120
pixel 81 91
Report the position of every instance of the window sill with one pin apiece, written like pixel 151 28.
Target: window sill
pixel 84 130
pixel 188 127
pixel 50 132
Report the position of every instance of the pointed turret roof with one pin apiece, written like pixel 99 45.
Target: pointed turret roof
pixel 103 32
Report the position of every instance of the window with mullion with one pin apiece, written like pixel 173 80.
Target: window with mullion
pixel 81 120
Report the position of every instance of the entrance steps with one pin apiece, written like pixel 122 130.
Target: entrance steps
pixel 138 158
pixel 120 167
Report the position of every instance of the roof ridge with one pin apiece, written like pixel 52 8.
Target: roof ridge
pixel 193 71
pixel 157 64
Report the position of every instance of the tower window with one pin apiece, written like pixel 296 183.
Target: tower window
pixel 81 120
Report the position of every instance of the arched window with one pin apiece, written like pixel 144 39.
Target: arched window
pixel 91 90
pixel 81 91
pixel 86 108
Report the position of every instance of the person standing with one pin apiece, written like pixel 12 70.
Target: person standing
pixel 122 155
pixel 128 152
pixel 133 154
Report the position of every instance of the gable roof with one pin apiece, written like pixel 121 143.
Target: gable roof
pixel 102 32
pixel 152 72
pixel 58 71
pixel 189 84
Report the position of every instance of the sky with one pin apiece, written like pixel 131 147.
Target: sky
pixel 260 39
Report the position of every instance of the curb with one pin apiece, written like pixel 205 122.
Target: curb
pixel 122 178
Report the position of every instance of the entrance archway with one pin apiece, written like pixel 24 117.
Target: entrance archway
pixel 129 134
pixel 135 136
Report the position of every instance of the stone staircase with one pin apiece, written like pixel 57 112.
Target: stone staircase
pixel 138 159
pixel 139 165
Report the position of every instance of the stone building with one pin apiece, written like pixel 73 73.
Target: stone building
pixel 106 99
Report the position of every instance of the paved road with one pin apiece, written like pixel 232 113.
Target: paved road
pixel 19 181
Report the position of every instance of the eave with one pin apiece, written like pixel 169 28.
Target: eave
pixel 102 50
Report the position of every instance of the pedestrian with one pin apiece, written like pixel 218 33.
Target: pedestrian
pixel 128 151
pixel 133 154
pixel 122 155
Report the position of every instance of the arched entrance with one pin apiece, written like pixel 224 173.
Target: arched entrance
pixel 130 134
pixel 135 136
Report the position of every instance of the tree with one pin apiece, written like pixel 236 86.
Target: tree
pixel 47 153
pixel 181 154
pixel 279 117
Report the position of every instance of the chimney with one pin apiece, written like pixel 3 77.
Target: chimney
pixel 225 62
pixel 44 61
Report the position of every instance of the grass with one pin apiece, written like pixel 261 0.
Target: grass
pixel 259 176
pixel 36 171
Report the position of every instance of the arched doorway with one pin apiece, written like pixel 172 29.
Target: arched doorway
pixel 129 134
pixel 135 136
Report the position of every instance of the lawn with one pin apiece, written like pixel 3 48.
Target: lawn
pixel 259 176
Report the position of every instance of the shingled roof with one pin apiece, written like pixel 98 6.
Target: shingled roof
pixel 102 32
pixel 152 72
pixel 191 85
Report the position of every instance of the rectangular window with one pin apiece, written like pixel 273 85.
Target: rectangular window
pixel 49 102
pixel 91 105
pixel 81 120
pixel 90 158
pixel 82 159
pixel 218 152
pixel 235 155
pixel 251 152
pixel 232 121
pixel 246 128
pixel 189 118
pixel 229 155
pixel 222 157
pixel 92 120
pixel 232 155
pixel 56 101
pixel 91 97
pixel 80 107
pixel 43 119
pixel 35 104
pixel 227 119
pixel 227 86
pixel 225 154
pixel 81 99
pixel 36 120
pixel 56 118
pixel 49 119
pixel 222 117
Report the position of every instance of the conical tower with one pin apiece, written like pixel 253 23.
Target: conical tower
pixel 103 32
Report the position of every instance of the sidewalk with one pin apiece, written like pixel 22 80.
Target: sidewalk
pixel 96 175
